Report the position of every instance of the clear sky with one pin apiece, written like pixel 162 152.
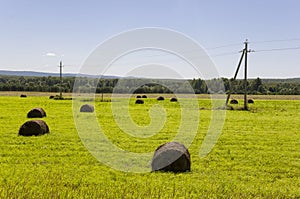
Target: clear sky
pixel 31 29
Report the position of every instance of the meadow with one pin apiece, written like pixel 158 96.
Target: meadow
pixel 256 156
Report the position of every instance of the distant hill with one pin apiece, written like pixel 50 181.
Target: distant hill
pixel 45 74
pixel 27 73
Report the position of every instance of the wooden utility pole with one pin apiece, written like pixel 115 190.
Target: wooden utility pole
pixel 245 77
pixel 102 95
pixel 244 54
pixel 60 76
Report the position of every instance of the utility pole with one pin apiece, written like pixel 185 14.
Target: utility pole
pixel 245 77
pixel 60 76
pixel 245 52
pixel 102 95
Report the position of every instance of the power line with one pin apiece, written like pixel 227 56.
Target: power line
pixel 275 40
pixel 224 46
pixel 224 54
pixel 278 49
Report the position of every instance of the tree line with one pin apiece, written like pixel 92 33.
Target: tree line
pixel 199 86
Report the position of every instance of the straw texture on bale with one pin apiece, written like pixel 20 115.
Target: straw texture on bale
pixel 234 101
pixel 250 101
pixel 87 108
pixel 139 101
pixel 160 98
pixel 36 113
pixel 173 99
pixel 144 96
pixel 171 157
pixel 34 127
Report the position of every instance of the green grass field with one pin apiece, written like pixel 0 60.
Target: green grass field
pixel 256 156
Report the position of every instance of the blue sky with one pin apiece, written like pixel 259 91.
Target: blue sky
pixel 73 29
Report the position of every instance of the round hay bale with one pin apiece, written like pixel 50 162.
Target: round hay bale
pixel 234 101
pixel 139 101
pixel 87 108
pixel 138 96
pixel 250 101
pixel 144 96
pixel 36 113
pixel 171 157
pixel 173 99
pixel 160 98
pixel 34 127
pixel 51 96
pixel 23 95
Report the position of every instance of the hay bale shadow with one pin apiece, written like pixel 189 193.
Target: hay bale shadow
pixel 171 157
pixel 57 97
pixel 238 108
pixel 36 113
pixel 105 100
pixel 139 101
pixel 228 107
pixel 62 98
pixel 160 98
pixel 87 108
pixel 34 127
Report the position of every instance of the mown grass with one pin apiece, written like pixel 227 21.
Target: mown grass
pixel 256 156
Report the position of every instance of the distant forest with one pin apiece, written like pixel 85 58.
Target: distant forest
pixel 52 84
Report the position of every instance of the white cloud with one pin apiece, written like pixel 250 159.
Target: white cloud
pixel 51 55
